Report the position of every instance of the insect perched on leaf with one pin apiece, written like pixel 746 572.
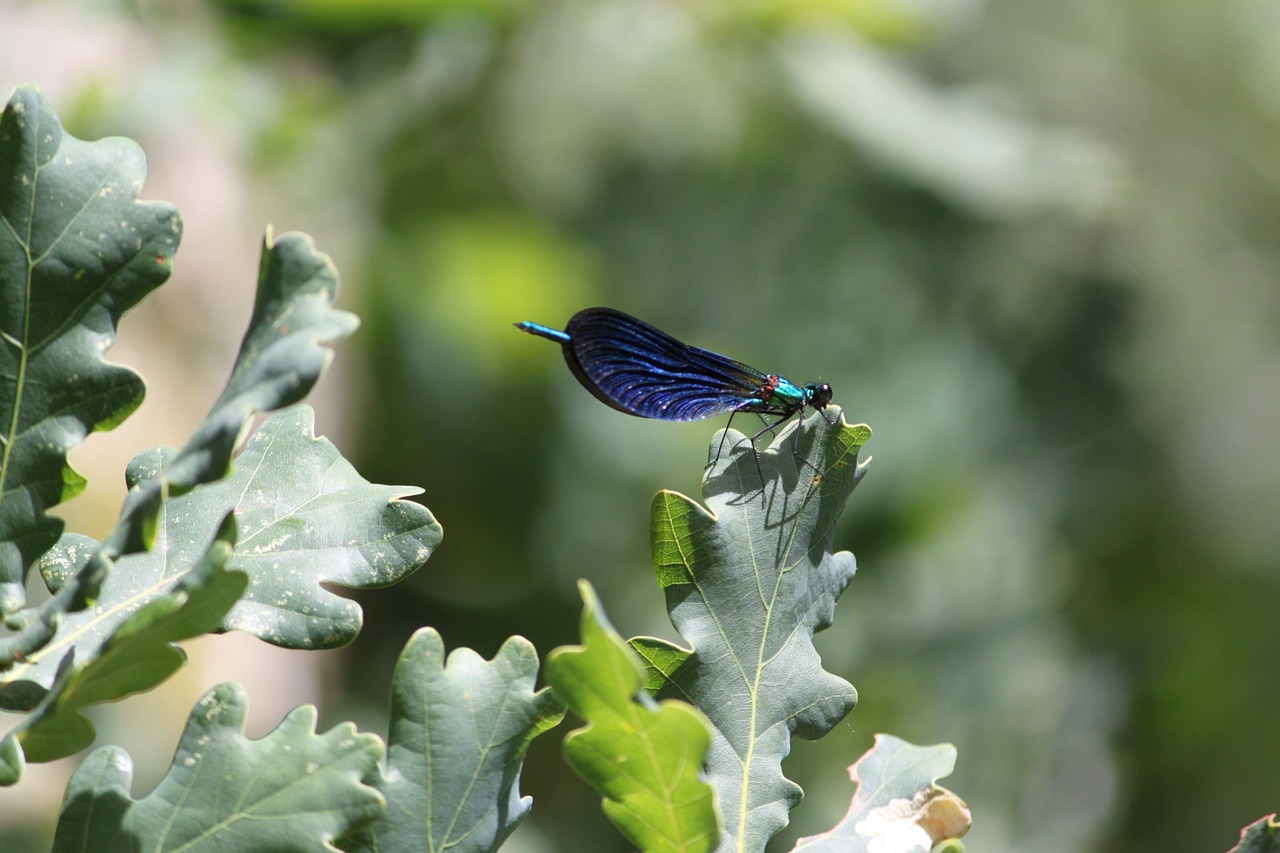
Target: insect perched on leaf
pixel 643 371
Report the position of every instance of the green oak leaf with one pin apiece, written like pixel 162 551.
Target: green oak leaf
pixel 292 790
pixel 1261 836
pixel 305 517
pixel 137 656
pixel 645 757
pixel 748 581
pixel 898 806
pixel 77 250
pixel 459 731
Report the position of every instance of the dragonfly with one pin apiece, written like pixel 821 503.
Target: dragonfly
pixel 636 368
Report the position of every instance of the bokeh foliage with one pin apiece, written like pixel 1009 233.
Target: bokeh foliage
pixel 1032 244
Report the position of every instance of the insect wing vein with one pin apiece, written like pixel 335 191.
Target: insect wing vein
pixel 644 371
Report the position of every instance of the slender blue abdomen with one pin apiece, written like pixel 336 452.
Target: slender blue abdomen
pixel 543 331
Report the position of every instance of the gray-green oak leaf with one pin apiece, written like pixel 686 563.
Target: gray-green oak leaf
pixel 460 727
pixel 280 359
pixel 140 654
pixel 305 517
pixel 748 581
pixel 1261 836
pixel 292 791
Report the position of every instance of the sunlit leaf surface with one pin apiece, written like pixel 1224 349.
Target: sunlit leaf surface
pixel 749 580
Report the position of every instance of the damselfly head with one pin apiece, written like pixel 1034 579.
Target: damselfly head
pixel 819 395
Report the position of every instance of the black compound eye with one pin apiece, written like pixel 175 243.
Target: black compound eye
pixel 821 395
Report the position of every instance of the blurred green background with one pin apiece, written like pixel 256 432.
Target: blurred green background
pixel 1035 245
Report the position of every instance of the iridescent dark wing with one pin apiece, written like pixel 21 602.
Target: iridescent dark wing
pixel 643 371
